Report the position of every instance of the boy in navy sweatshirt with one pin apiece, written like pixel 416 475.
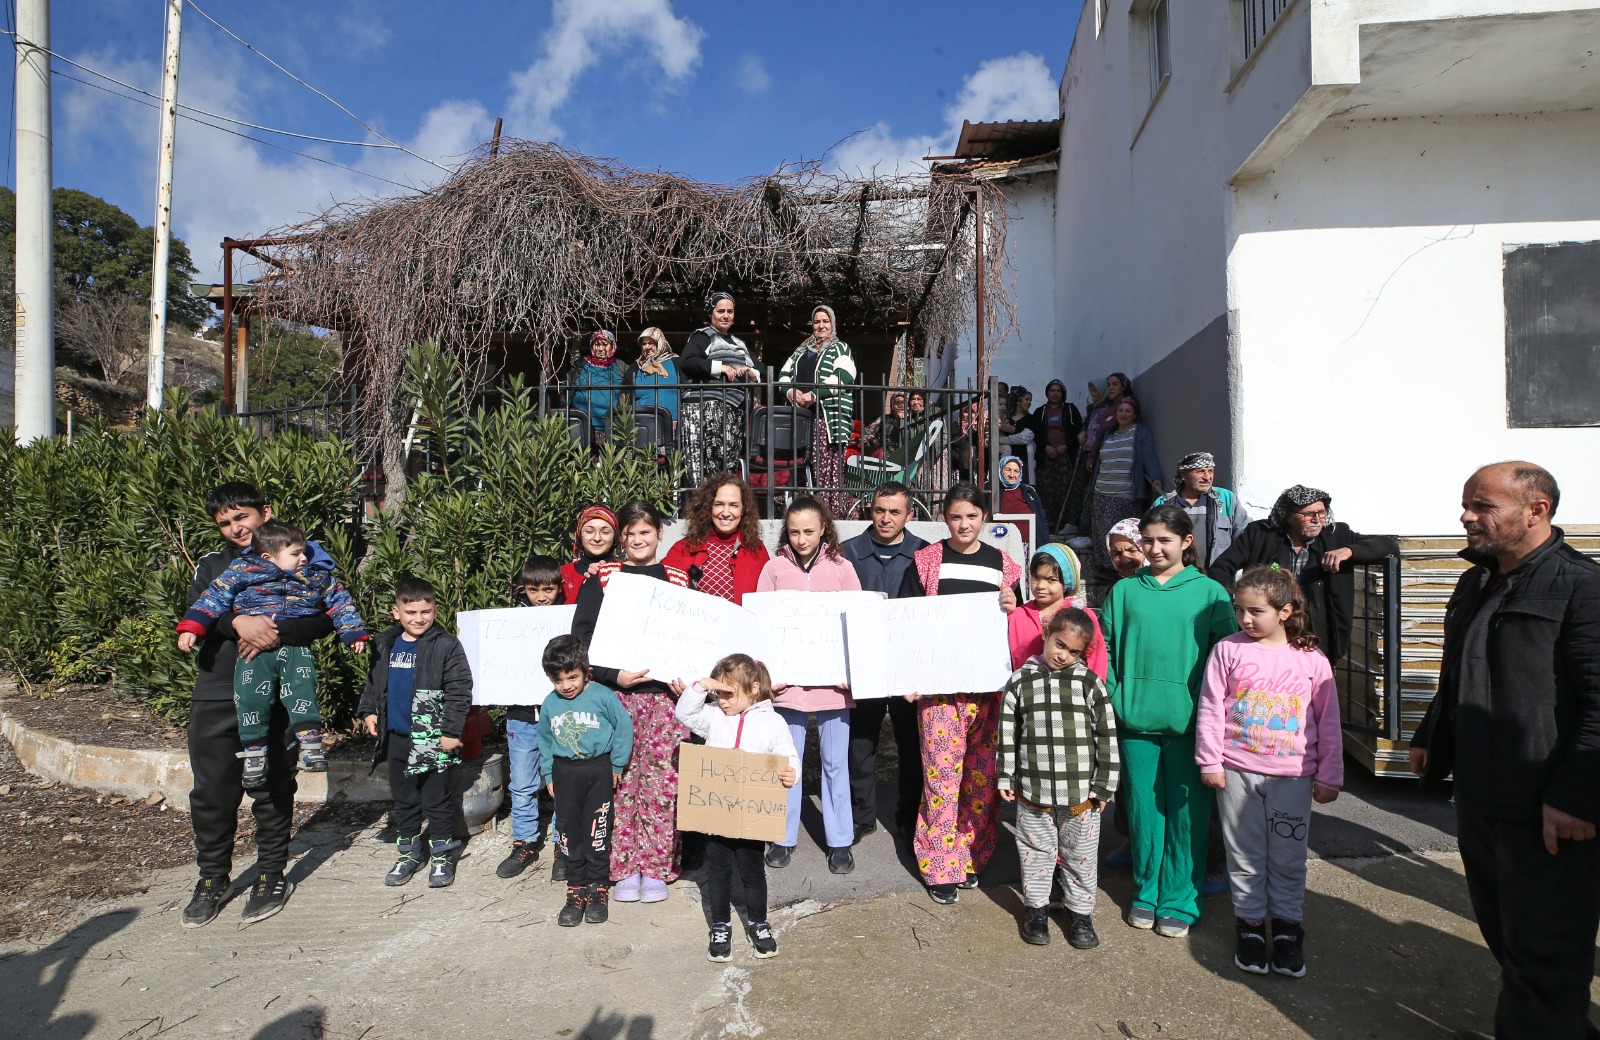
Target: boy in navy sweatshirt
pixel 585 741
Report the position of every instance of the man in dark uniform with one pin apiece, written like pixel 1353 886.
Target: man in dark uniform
pixel 214 745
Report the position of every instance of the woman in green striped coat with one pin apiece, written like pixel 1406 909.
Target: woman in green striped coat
pixel 814 377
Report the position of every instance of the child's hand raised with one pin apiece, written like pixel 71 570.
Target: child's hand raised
pixel 186 641
pixel 1218 779
pixel 678 686
pixel 786 776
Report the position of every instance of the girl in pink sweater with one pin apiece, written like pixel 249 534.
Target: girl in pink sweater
pixel 1267 737
pixel 1055 580
pixel 809 561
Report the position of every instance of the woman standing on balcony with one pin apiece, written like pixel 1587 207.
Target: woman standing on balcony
pixel 812 378
pixel 1057 425
pixel 597 381
pixel 712 428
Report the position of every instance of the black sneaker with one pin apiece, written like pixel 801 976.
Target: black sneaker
pixel 864 829
pixel 254 777
pixel 1080 932
pixel 762 939
pixel 1288 957
pixel 271 891
pixel 407 862
pixel 970 881
pixel 841 861
pixel 209 895
pixel 523 854
pixel 778 856
pixel 1250 952
pixel 595 911
pixel 571 915
pixel 312 759
pixel 1036 927
pixel 442 863
pixel 558 868
pixel 721 948
pixel 945 894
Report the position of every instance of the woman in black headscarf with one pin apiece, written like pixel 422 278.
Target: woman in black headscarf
pixel 711 430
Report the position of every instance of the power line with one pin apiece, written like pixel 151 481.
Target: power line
pixel 250 47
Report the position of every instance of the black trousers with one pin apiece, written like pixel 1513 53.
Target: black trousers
pixel 583 818
pixel 415 796
pixel 866 725
pixel 723 856
pixel 1539 914
pixel 218 789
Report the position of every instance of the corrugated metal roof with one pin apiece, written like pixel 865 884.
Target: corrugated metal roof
pixel 1013 139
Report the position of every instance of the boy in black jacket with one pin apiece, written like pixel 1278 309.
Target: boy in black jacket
pixel 416 704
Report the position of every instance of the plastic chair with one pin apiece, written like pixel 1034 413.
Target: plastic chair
pixel 652 428
pixel 784 434
pixel 578 426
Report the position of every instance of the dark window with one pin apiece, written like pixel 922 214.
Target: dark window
pixel 1553 334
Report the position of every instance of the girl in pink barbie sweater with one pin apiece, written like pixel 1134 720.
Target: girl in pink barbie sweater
pixel 809 561
pixel 1055 581
pixel 1267 738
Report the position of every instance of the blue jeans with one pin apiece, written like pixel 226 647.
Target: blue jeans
pixel 522 753
pixel 833 734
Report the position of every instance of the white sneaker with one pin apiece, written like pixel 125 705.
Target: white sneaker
pixel 627 890
pixel 1172 927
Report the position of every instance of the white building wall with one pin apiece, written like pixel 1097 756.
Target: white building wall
pixel 1370 323
pixel 1027 354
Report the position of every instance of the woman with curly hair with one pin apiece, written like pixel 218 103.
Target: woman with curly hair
pixel 722 550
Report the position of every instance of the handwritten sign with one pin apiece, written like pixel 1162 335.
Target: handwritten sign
pixel 804 634
pixel 506 651
pixel 733 793
pixel 673 632
pixel 941 644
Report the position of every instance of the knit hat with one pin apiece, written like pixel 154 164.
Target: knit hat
pixel 1193 460
pixel 594 512
pixel 1296 498
pixel 1067 561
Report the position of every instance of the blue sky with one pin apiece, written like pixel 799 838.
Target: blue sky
pixel 711 88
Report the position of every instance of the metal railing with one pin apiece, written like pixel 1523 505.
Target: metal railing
pixel 1257 19
pixel 1369 675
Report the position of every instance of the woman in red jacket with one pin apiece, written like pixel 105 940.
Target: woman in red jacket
pixel 722 550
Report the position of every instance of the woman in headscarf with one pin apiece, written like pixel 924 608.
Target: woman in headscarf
pixel 655 380
pixel 1017 498
pixel 813 378
pixel 598 380
pixel 1056 425
pixel 711 433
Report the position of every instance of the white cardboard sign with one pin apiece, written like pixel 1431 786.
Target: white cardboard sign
pixel 675 633
pixel 506 650
pixel 804 634
pixel 931 645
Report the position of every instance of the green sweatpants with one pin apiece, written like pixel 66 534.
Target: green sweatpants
pixel 286 673
pixel 1169 817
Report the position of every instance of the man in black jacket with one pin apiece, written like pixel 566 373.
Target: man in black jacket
pixel 1301 537
pixel 1517 718
pixel 214 745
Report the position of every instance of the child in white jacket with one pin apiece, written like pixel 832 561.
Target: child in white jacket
pixel 743 718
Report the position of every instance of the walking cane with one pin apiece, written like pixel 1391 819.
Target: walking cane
pixel 1077 470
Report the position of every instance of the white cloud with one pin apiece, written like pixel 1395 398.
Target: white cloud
pixel 581 30
pixel 1018 86
pixel 753 74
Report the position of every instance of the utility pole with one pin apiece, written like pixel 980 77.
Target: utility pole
pixel 155 379
pixel 35 300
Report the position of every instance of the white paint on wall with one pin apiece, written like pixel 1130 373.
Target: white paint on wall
pixel 1028 354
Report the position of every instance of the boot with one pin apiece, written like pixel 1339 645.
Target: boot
pixel 409 860
pixel 312 758
pixel 595 912
pixel 442 862
pixel 571 915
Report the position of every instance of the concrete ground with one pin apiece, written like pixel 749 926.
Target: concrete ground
pixel 1393 952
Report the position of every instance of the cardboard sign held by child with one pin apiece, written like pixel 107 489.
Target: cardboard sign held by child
pixel 736 794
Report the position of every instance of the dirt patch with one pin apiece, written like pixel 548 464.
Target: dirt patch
pixel 94 714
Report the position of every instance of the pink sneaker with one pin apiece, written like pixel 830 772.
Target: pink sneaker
pixel 626 890
pixel 655 890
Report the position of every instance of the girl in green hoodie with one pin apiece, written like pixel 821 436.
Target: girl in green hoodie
pixel 1160 626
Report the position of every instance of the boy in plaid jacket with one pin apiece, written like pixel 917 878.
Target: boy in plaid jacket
pixel 1058 762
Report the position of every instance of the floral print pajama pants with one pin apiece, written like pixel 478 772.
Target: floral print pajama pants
pixel 960 813
pixel 644 834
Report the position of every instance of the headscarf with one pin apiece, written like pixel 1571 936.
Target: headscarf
pixel 813 342
pixel 1295 499
pixel 1063 386
pixel 1128 529
pixel 1071 569
pixel 1193 460
pixel 602 336
pixel 1010 485
pixel 714 299
pixel 1138 413
pixel 594 512
pixel 1127 384
pixel 1099 392
pixel 655 365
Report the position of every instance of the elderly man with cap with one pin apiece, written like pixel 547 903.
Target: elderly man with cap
pixel 1217 514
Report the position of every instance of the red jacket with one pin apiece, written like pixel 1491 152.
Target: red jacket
pixel 747 564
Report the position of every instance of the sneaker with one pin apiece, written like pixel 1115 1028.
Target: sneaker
pixel 271 891
pixel 209 895
pixel 778 856
pixel 1172 927
pixel 522 856
pixel 627 890
pixel 1036 927
pixel 970 881
pixel 841 861
pixel 945 894
pixel 442 863
pixel 1139 917
pixel 1080 932
pixel 1250 953
pixel 558 868
pixel 1120 858
pixel 407 862
pixel 864 829
pixel 312 759
pixel 254 777
pixel 654 890
pixel 571 915
pixel 721 948
pixel 1215 883
pixel 1288 956
pixel 762 939
pixel 595 911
